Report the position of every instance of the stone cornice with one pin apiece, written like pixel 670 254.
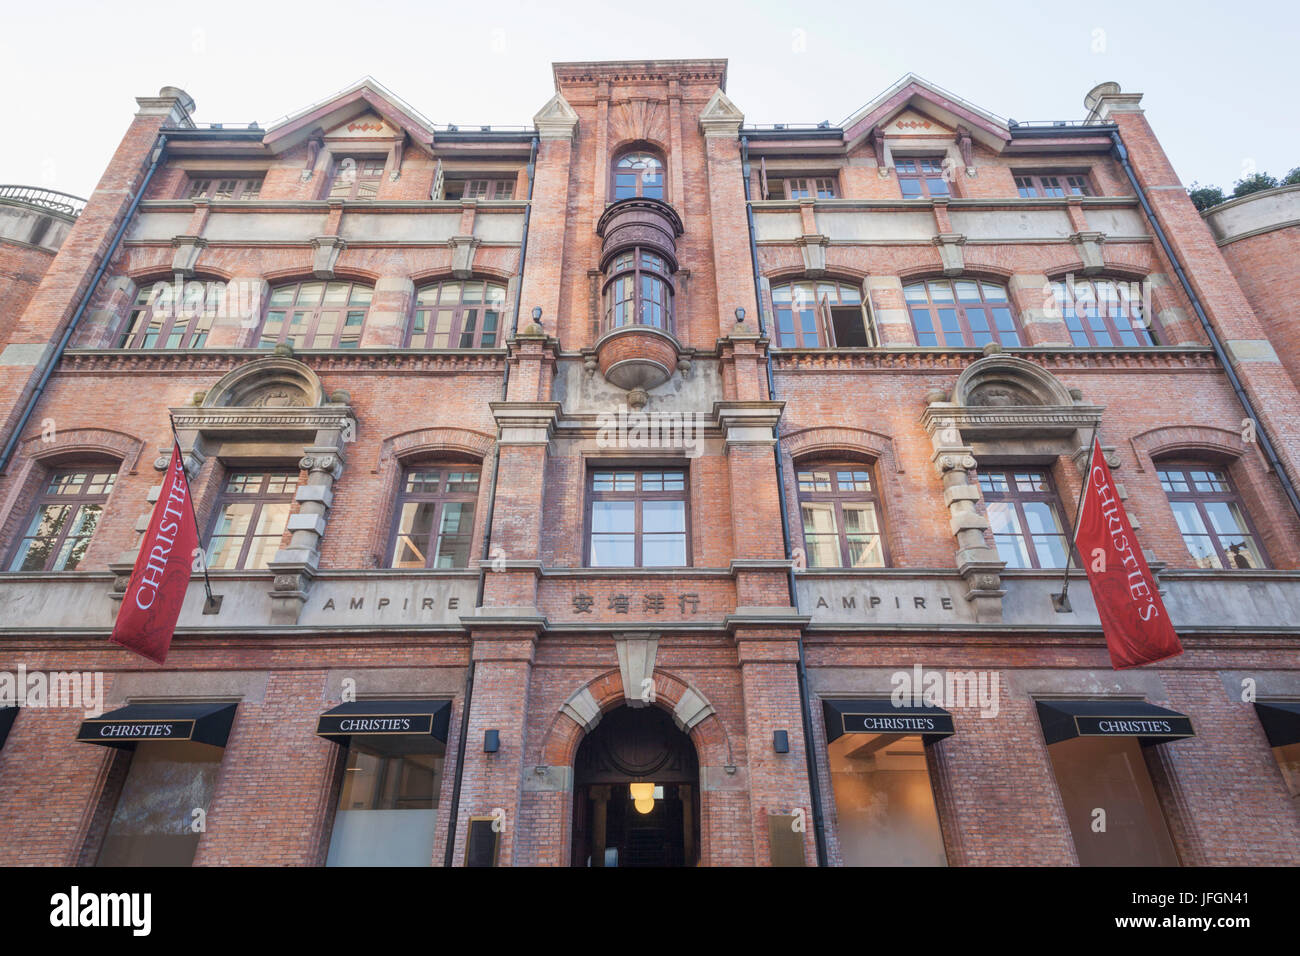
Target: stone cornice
pixel 138 361
pixel 980 420
pixel 927 359
pixel 276 419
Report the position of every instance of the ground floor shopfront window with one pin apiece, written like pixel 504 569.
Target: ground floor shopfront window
pixel 387 812
pixel 1113 810
pixel 885 811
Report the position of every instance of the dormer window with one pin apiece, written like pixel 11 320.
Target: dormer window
pixel 356 177
pixel 638 173
pixel 922 177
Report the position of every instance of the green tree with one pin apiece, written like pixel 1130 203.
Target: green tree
pixel 1292 178
pixel 1253 184
pixel 1205 197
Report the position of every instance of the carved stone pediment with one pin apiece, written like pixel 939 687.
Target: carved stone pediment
pixel 270 382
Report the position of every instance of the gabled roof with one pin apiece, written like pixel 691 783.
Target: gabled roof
pixel 914 92
pixel 364 96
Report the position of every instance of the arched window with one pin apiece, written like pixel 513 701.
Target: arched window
pixel 168 315
pixel 827 313
pixel 840 510
pixel 638 291
pixel 1103 313
pixel 1210 514
pixel 316 315
pixel 638 173
pixel 457 315
pixel 64 517
pixel 961 313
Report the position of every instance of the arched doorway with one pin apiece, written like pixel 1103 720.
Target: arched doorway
pixel 636 793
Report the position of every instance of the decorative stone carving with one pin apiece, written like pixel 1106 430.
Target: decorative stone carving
pixel 813 248
pixel 325 255
pixel 950 253
pixel 462 255
pixel 1089 246
pixel 636 662
pixel 556 120
pixel 186 257
pixel 721 117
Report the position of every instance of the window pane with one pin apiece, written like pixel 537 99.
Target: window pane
pixel 415 525
pixel 613 516
pixel 663 516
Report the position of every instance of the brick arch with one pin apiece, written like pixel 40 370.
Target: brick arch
pixel 1171 440
pixel 982 270
pixel 833 273
pixel 342 273
pixel 565 735
pixel 828 439
pixel 428 277
pixel 149 273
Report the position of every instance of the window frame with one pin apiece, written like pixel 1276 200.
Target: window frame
pixel 243 188
pixel 640 193
pixel 813 192
pixel 456 332
pixel 259 499
pixel 1230 496
pixel 639 496
pixel 197 325
pixel 1132 309
pixel 822 310
pixel 917 173
pixel 934 308
pixel 1036 181
pixel 1016 498
pixel 46 498
pixel 314 314
pixel 442 499
pixel 638 270
pixel 363 162
pixel 493 186
pixel 839 498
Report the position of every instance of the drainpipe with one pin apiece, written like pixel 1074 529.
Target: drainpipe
pixel 52 360
pixel 450 854
pixel 809 745
pixel 1265 444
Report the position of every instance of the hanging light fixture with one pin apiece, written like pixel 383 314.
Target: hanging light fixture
pixel 643 796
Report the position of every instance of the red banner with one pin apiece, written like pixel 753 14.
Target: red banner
pixel 161 574
pixel 1133 617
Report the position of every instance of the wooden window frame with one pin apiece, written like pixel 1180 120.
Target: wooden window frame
pixel 1228 495
pixel 441 498
pixel 1129 309
pixel 426 313
pixel 840 497
pixel 196 326
pixel 822 310
pixel 1052 184
pixel 633 262
pixel 811 186
pixel 491 188
pixel 639 179
pixel 637 495
pixel 1016 498
pixel 968 333
pixel 370 180
pixel 78 500
pixel 246 188
pixel 259 499
pixel 916 172
pixel 314 314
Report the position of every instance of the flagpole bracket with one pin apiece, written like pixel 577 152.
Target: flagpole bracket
pixel 212 603
pixel 1061 603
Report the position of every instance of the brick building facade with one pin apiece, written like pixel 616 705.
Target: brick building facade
pixel 641 446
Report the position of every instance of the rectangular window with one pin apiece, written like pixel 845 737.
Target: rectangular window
pixel 1025 514
pixel 922 177
pixel 388 807
pixel 637 518
pixel 884 801
pixel 802 187
pixel 1052 185
pixel 841 517
pixel 479 189
pixel 153 821
pixel 225 189
pixel 64 519
pixel 356 177
pixel 252 517
pixel 435 517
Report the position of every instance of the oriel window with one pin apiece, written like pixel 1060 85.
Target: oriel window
pixel 251 519
pixel 841 516
pixel 639 291
pixel 1215 526
pixel 435 517
pixel 64 519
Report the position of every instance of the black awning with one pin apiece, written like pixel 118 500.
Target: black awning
pixel 880 716
pixel 386 718
pixel 1064 719
pixel 1281 720
pixel 7 715
pixel 127 726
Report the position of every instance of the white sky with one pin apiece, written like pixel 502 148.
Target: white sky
pixel 1219 78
